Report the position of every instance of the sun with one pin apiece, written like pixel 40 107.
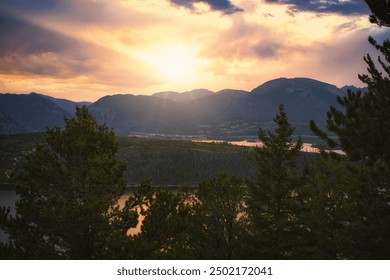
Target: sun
pixel 174 62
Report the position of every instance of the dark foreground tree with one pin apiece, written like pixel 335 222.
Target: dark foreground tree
pixel 189 223
pixel 362 127
pixel 68 191
pixel 380 12
pixel 324 208
pixel 215 228
pixel 272 203
pixel 164 225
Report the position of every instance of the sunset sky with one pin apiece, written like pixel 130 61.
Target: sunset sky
pixel 85 49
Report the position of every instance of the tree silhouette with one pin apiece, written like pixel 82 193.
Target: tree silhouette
pixel 215 228
pixel 362 127
pixel 163 230
pixel 68 191
pixel 380 12
pixel 272 201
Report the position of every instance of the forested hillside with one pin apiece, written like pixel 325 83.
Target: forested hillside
pixel 165 162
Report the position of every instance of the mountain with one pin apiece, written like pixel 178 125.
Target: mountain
pixel 234 93
pixel 21 113
pixel 8 125
pixel 197 93
pixel 226 113
pixel 223 114
pixel 136 113
pixel 183 96
pixel 67 105
pixel 354 89
pixel 304 99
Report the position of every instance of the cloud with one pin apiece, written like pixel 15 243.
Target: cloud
pixel 224 6
pixel 72 47
pixel 58 38
pixel 77 11
pixel 33 50
pixel 267 50
pixel 37 5
pixel 342 7
pixel 92 47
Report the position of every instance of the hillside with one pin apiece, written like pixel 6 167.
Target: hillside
pixel 183 96
pixel 29 113
pixel 166 162
pixel 304 99
pixel 67 105
pixel 225 114
pixel 228 113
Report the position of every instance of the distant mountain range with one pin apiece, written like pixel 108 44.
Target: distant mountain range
pixel 23 113
pixel 67 105
pixel 227 113
pixel 183 96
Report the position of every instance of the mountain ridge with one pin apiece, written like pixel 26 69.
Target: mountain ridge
pixel 29 113
pixel 183 96
pixel 65 104
pixel 228 112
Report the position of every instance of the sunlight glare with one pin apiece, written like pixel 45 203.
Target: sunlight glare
pixel 175 63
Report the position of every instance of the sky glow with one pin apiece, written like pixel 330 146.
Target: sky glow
pixel 85 49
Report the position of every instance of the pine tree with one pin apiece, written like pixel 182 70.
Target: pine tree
pixel 272 200
pixel 215 229
pixel 380 12
pixel 362 125
pixel 69 188
pixel 362 128
pixel 163 232
pixel 325 211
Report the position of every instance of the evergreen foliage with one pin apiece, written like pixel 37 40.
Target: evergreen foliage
pixel 380 12
pixel 362 128
pixel 325 211
pixel 170 162
pixel 69 189
pixel 216 226
pixel 165 218
pixel 166 162
pixel 273 200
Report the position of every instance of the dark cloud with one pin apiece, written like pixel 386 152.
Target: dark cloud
pixel 329 6
pixel 267 50
pixel 224 6
pixel 76 11
pixel 29 49
pixel 268 15
pixel 18 36
pixel 347 26
pixel 29 5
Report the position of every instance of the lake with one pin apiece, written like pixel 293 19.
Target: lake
pixel 8 198
pixel 306 147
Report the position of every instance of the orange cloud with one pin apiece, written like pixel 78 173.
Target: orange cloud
pixel 86 49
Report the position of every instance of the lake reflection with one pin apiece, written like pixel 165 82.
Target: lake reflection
pixel 137 229
pixel 8 198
